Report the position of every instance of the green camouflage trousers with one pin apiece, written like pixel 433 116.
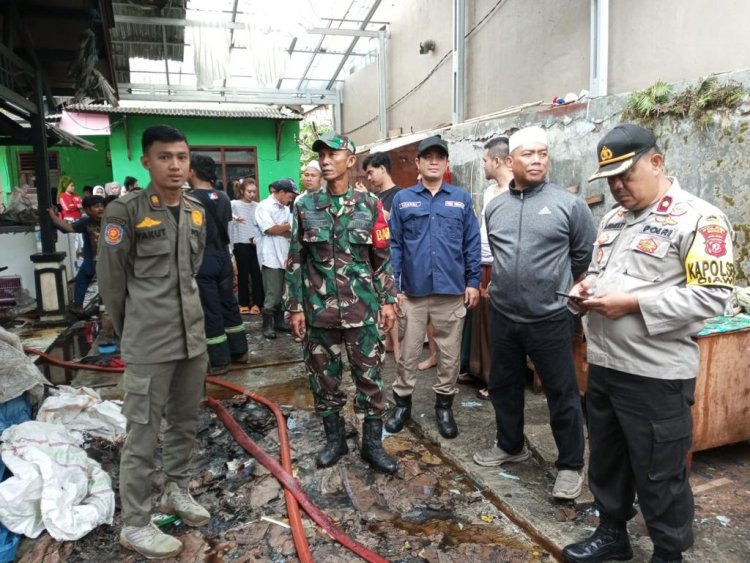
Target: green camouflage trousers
pixel 365 348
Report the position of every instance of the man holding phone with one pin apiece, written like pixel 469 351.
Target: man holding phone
pixel 541 238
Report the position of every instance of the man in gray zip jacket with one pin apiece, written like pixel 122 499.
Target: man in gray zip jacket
pixel 541 238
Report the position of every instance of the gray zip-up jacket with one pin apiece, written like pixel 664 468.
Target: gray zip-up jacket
pixel 541 240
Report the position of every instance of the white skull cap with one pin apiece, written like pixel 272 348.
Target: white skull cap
pixel 527 136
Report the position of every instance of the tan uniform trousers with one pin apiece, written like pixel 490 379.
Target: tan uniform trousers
pixel 172 390
pixel 447 314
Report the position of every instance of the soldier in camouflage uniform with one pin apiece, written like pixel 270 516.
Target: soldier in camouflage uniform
pixel 340 291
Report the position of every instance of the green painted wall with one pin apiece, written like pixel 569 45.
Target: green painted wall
pixel 86 167
pixel 259 133
pixel 5 177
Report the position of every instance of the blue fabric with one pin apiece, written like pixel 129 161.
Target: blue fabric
pixel 84 277
pixel 8 545
pixel 12 412
pixel 435 245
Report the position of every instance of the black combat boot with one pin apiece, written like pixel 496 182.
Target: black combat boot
pixel 268 331
pixel 608 542
pixel 444 414
pixel 400 414
pixel 372 446
pixel 664 556
pixel 279 323
pixel 335 441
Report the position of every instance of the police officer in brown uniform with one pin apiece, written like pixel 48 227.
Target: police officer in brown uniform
pixel 150 250
pixel 662 265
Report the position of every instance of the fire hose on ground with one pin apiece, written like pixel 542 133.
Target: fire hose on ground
pixel 293 491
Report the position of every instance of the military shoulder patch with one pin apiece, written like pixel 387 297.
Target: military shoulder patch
pixel 113 234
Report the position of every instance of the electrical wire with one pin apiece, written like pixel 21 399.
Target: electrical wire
pixel 445 57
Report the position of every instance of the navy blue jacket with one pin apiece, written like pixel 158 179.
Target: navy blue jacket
pixel 435 247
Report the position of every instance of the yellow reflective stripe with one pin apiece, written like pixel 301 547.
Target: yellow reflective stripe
pixel 233 329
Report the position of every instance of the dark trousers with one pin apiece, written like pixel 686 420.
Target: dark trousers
pixel 225 331
pixel 549 345
pixel 247 267
pixel 640 430
pixel 86 273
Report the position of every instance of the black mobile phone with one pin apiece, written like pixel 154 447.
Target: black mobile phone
pixel 569 296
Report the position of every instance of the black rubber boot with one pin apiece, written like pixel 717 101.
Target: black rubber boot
pixel 335 446
pixel 372 446
pixel 444 414
pixel 268 331
pixel 664 556
pixel 400 414
pixel 608 542
pixel 279 323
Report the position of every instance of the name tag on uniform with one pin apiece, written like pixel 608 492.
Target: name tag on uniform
pixel 404 204
pixel 451 203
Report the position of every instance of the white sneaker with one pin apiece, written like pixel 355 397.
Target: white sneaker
pixel 178 501
pixel 568 484
pixel 149 541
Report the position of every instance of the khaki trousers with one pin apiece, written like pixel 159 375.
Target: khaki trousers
pixel 172 390
pixel 446 313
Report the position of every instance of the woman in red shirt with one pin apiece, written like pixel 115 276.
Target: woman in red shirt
pixel 70 202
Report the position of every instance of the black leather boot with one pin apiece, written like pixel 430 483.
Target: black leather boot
pixel 268 331
pixel 279 323
pixel 400 414
pixel 608 542
pixel 372 446
pixel 335 446
pixel 444 414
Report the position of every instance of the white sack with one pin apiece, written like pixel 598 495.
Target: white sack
pixel 82 410
pixel 54 485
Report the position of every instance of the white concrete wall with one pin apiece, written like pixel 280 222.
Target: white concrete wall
pixel 529 50
pixel 17 247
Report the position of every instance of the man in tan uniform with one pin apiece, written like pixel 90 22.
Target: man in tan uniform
pixel 150 250
pixel 663 263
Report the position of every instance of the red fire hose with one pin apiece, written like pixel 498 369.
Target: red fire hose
pixel 290 483
pixel 292 508
pixel 293 492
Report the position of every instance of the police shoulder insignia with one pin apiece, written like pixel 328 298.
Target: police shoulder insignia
pixel 113 234
pixel 197 217
pixel 710 260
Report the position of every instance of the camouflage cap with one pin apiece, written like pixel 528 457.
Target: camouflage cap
pixel 334 141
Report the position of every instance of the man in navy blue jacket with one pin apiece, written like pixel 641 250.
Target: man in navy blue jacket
pixel 435 254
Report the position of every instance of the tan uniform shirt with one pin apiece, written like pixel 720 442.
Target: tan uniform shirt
pixel 146 270
pixel 676 256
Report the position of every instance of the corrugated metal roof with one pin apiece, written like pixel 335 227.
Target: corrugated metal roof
pixel 173 110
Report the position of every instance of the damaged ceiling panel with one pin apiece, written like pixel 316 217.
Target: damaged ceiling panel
pixel 150 42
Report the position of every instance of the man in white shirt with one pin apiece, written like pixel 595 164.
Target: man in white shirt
pixel 274 219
